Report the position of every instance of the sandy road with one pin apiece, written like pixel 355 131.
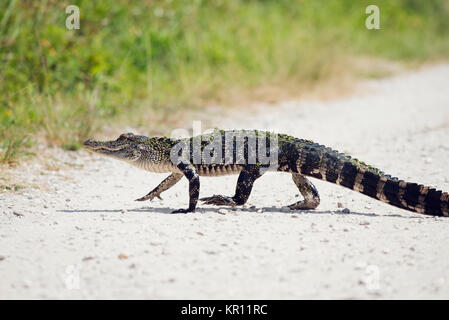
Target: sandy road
pixel 81 235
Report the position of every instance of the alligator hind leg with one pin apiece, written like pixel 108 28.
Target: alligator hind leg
pixel 308 191
pixel 242 191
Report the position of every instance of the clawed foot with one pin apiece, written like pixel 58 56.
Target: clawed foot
pixel 304 205
pixel 149 197
pixel 219 200
pixel 183 211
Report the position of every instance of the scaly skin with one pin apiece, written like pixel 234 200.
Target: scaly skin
pixel 299 157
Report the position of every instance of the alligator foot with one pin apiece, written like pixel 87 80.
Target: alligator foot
pixel 219 200
pixel 150 197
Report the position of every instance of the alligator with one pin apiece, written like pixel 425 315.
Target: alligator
pixel 245 152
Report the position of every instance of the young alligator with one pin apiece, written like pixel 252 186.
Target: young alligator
pixel 237 152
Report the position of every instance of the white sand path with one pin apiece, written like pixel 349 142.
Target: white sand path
pixel 81 235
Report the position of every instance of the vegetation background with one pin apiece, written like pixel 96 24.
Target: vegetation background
pixel 144 61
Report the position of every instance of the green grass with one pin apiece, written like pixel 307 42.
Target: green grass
pixel 153 59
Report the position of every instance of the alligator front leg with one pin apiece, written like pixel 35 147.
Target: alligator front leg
pixel 194 186
pixel 242 191
pixel 166 184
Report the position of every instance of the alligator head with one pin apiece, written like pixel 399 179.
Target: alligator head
pixel 126 147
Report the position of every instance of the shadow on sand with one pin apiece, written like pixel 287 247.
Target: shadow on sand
pixel 167 210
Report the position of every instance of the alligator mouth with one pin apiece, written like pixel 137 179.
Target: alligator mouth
pixel 102 146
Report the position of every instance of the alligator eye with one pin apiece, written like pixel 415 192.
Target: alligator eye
pixel 126 135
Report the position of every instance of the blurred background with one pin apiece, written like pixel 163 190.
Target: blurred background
pixel 148 63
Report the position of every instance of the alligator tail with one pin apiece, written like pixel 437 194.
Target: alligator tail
pixel 329 165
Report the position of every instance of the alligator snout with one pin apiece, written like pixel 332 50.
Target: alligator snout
pixel 90 144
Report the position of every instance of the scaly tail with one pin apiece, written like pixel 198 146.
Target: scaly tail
pixel 326 164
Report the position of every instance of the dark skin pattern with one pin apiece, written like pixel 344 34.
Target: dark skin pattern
pixel 299 157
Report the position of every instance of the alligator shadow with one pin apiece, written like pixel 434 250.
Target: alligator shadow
pixel 168 210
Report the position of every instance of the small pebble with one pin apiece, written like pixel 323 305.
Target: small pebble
pixel 122 256
pixel 88 258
